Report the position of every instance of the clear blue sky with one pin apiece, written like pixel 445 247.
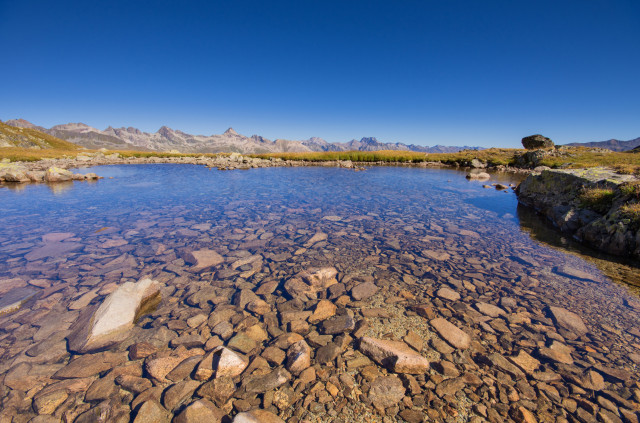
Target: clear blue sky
pixel 478 72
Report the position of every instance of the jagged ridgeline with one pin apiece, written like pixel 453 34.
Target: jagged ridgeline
pixel 169 140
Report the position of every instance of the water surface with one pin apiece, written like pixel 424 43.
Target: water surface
pixel 409 228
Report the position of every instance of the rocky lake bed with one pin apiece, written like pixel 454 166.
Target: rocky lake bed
pixel 175 293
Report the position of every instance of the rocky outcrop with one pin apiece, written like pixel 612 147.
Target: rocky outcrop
pixel 533 142
pixel 591 204
pixel 110 322
pixel 21 173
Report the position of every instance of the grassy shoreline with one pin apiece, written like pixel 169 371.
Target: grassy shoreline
pixel 568 158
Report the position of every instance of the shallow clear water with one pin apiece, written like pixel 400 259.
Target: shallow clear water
pixel 409 228
pixel 380 212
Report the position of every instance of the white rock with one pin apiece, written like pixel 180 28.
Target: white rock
pixel 112 320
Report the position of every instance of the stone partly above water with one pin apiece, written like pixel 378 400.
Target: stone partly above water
pixel 110 322
pixel 20 173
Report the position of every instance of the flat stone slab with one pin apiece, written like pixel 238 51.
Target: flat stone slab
pixel 202 259
pixel 573 273
pixel 451 333
pixel 448 294
pixel 257 416
pixel 53 249
pixel 15 298
pixel 568 320
pixel 396 356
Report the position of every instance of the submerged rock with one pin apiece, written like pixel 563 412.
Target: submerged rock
pixel 386 392
pixel 257 416
pixel 202 259
pixel 15 298
pixel 568 320
pixel 111 321
pixel 396 356
pixel 451 333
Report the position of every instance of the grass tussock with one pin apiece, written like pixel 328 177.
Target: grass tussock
pixel 631 189
pixel 627 169
pixel 597 199
pixel 631 211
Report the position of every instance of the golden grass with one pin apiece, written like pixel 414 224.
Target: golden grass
pixel 39 140
pixel 573 158
pixel 627 169
pixel 17 154
pixel 631 211
pixel 631 189
pixel 581 157
pixel 492 155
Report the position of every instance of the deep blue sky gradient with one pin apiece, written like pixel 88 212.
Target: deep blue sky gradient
pixel 425 72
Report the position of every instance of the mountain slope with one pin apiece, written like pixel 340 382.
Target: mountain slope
pixel 167 139
pixel 27 137
pixel 612 144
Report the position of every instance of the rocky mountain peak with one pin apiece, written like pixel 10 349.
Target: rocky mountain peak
pixel 20 123
pixel 165 131
pixel 230 131
pixel 77 127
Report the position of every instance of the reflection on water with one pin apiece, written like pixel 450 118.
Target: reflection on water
pixel 620 269
pixel 60 187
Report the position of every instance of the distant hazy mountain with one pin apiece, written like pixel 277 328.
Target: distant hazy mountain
pixel 167 139
pixel 613 145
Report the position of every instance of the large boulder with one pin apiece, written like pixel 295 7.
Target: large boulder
pixel 534 142
pixel 13 173
pixel 109 323
pixel 55 174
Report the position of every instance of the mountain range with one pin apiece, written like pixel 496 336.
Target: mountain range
pixel 612 144
pixel 167 139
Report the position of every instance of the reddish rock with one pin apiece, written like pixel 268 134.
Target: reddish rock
pixel 386 391
pixel 323 310
pixel 298 357
pixel 363 291
pixel 257 416
pixel 568 320
pixel 396 356
pixel 202 259
pixel 451 333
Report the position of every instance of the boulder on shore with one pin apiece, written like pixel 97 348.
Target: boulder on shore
pixel 534 142
pixel 13 173
pixel 109 323
pixel 56 174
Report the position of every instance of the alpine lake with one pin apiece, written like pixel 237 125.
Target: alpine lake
pixel 413 265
